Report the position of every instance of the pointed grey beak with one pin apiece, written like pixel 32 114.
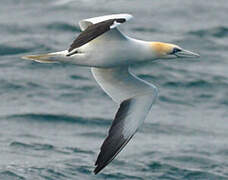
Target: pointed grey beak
pixel 186 54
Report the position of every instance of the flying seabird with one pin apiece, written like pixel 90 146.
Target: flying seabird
pixel 109 53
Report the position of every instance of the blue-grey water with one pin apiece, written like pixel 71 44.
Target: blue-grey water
pixel 54 118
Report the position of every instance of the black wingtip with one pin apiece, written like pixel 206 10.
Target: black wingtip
pixel 98 169
pixel 120 20
pixel 115 141
pixel 100 166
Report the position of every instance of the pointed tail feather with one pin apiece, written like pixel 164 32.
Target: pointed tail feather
pixel 47 58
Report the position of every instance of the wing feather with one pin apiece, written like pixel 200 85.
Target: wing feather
pixel 128 119
pixel 115 140
pixel 135 97
pixel 85 23
pixel 93 31
pixel 95 27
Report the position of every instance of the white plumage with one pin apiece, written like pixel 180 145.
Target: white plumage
pixel 87 22
pixel 109 53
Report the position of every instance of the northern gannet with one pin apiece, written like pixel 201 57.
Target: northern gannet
pixel 109 53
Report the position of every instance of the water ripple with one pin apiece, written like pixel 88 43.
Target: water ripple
pixel 78 150
pixel 61 26
pixel 52 118
pixel 120 176
pixel 10 175
pixel 34 146
pixel 218 32
pixel 12 50
pixel 14 28
pixel 77 77
pixel 167 171
pixel 200 83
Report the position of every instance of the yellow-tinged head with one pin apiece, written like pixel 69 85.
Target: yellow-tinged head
pixel 170 51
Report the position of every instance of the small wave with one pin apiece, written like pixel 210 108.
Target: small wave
pixel 14 28
pixel 120 176
pixel 140 29
pixel 30 136
pixel 17 86
pixel 205 96
pixel 200 83
pixel 62 2
pixel 191 160
pixel 154 166
pixel 84 169
pixel 59 26
pixel 10 175
pixel 78 77
pixel 168 171
pixel 60 118
pixel 223 152
pixel 158 128
pixel 78 150
pixel 34 146
pixel 224 102
pixel 53 173
pixel 10 50
pixel 9 85
pixel 93 134
pixel 20 144
pixel 191 174
pixel 173 100
pixel 86 88
pixel 218 32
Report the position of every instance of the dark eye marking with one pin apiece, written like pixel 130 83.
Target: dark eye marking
pixel 175 50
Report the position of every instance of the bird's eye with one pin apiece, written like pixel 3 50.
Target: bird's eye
pixel 175 50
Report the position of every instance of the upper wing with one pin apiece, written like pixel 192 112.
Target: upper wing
pixel 94 27
pixel 135 97
pixel 85 23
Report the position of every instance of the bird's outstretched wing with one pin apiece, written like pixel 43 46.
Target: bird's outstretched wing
pixel 94 27
pixel 135 97
pixel 85 23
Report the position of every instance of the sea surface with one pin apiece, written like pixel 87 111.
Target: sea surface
pixel 54 117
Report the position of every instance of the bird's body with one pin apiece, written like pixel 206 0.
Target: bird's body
pixel 119 50
pixel 109 53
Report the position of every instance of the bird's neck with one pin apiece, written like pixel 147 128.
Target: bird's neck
pixel 144 50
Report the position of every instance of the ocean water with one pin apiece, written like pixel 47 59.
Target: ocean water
pixel 54 118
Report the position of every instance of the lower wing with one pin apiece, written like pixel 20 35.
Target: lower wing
pixel 135 97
